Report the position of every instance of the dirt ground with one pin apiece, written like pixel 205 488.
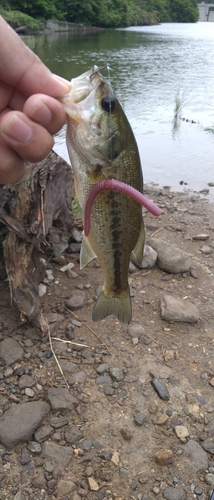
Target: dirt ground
pixel 122 419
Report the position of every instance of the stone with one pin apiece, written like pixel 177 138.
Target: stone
pixel 93 485
pixel 126 433
pixel 209 478
pixel 59 422
pixel 68 266
pixel 39 481
pixel 173 309
pixel 19 422
pixel 42 289
pixel 116 373
pixel 135 331
pixel 208 445
pixel 201 237
pixel 124 473
pixel 139 419
pixel 76 300
pixel 149 257
pixel 29 392
pixel 102 368
pixel 43 433
pixel 160 388
pixel 72 434
pixel 174 494
pixel 65 487
pixel 61 399
pixel 170 258
pixel 26 381
pixel 197 454
pixel 164 457
pixel 104 380
pixel 162 419
pixel 10 351
pixel 86 444
pixel 57 454
pixel 206 249
pixel 34 447
pixel 181 432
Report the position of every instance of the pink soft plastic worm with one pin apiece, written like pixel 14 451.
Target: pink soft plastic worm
pixel 123 188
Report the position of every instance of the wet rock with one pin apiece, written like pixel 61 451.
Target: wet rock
pixel 160 388
pixel 164 457
pixel 197 454
pixel 149 257
pixel 58 455
pixel 76 300
pixel 10 351
pixel 116 373
pixel 43 433
pixel 170 258
pixel 173 309
pixel 19 422
pixel 126 433
pixel 72 434
pixel 174 494
pixel 61 399
pixel 208 445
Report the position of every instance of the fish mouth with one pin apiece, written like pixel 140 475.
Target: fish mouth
pixel 82 86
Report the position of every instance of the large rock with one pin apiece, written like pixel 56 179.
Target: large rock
pixel 170 258
pixel 19 422
pixel 173 309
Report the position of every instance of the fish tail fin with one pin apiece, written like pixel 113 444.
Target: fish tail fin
pixel 118 306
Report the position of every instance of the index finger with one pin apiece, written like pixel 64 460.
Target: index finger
pixel 21 68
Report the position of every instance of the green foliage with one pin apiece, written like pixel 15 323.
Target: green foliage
pixel 108 13
pixel 17 19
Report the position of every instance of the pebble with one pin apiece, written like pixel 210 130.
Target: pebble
pixel 76 300
pixel 29 392
pixel 139 419
pixel 174 494
pixel 86 445
pixel 201 237
pixel 160 388
pixel 42 289
pixel 43 433
pixel 102 368
pixel 93 485
pixel 116 373
pixel 162 419
pixel 106 455
pixel 208 445
pixel 164 457
pixel 61 399
pixel 72 434
pixel 126 433
pixel 209 479
pixel 65 487
pixel 8 372
pixel 181 432
pixel 34 447
pixel 26 381
pixel 68 266
pixel 124 473
pixel 197 454
pixel 109 391
pixel 135 331
pixel 206 249
pixel 57 454
pixel 104 380
pixel 149 257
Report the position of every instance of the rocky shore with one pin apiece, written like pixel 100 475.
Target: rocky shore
pixel 109 412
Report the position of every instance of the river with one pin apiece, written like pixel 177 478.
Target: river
pixel 150 66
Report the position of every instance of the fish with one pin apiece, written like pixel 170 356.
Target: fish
pixel 102 146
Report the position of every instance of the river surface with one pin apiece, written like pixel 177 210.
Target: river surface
pixel 150 66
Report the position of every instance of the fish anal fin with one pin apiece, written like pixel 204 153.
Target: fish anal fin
pixel 137 253
pixel 86 253
pixel 118 306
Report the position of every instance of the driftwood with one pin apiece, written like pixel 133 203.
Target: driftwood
pixel 38 213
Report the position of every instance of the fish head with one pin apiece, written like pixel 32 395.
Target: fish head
pixel 94 121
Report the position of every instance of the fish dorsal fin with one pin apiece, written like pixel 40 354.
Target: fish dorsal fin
pixel 86 253
pixel 137 253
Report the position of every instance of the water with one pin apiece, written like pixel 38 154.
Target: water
pixel 150 65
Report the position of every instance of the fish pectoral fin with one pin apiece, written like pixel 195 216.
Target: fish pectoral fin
pixel 137 253
pixel 86 253
pixel 118 306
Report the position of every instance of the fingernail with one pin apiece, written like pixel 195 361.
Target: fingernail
pixel 41 113
pixel 17 129
pixel 65 84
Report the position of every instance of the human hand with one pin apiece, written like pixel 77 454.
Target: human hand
pixel 29 110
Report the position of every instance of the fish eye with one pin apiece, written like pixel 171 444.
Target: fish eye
pixel 108 104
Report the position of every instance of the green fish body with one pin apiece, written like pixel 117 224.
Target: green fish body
pixel 101 145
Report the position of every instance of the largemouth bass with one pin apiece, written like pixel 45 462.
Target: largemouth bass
pixel 101 145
